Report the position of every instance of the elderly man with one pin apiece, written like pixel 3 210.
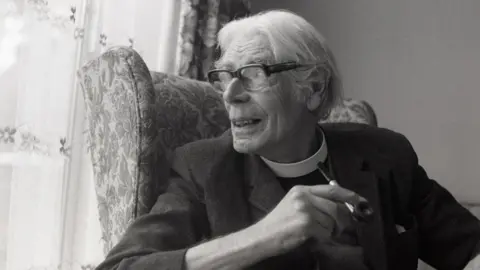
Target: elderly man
pixel 258 196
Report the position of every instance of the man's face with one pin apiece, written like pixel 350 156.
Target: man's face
pixel 264 120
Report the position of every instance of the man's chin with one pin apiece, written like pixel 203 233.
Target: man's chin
pixel 245 146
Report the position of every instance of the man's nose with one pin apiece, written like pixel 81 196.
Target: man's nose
pixel 235 93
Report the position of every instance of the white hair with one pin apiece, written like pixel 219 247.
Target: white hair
pixel 292 38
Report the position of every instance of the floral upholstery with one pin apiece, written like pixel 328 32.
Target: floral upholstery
pixel 350 110
pixel 132 124
pixel 118 94
pixel 136 118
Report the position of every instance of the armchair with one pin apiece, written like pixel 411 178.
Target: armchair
pixel 135 118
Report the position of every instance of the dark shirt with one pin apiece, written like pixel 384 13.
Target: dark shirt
pixel 313 178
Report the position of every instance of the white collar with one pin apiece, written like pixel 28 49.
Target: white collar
pixel 300 168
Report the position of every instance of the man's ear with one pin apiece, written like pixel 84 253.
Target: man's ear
pixel 320 82
pixel 314 101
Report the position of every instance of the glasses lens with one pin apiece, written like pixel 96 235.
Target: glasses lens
pixel 254 78
pixel 220 79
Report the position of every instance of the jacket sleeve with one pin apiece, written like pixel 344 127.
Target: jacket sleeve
pixel 160 239
pixel 449 235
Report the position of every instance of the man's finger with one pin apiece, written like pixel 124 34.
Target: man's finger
pixel 324 205
pixel 338 212
pixel 323 215
pixel 336 194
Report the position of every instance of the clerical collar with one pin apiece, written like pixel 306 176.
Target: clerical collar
pixel 300 168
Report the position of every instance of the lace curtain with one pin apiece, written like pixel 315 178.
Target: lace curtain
pixel 48 208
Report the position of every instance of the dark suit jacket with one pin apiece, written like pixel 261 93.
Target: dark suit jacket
pixel 214 191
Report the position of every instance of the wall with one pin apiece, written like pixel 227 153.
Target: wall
pixel 418 64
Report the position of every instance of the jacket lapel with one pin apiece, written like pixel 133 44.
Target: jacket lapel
pixel 353 172
pixel 266 191
pixel 225 192
pixel 238 185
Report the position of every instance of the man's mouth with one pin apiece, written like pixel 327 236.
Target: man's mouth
pixel 245 122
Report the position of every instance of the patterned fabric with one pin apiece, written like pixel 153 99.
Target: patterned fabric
pixel 186 110
pixel 201 20
pixel 133 125
pixel 352 111
pixel 24 140
pixel 119 100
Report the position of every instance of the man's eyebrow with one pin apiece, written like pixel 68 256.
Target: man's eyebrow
pixel 223 65
pixel 264 60
pixel 230 66
pixel 255 61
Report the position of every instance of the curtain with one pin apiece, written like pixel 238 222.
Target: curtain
pixel 39 55
pixel 48 208
pixel 199 24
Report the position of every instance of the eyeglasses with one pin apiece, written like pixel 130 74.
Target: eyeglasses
pixel 254 77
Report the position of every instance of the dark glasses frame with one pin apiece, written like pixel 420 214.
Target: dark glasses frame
pixel 268 69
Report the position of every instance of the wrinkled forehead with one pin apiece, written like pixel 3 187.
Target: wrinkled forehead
pixel 247 48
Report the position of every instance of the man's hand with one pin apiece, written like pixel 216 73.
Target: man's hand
pixel 313 212
pixel 309 212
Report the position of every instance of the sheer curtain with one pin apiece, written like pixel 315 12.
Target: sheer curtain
pixel 48 210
